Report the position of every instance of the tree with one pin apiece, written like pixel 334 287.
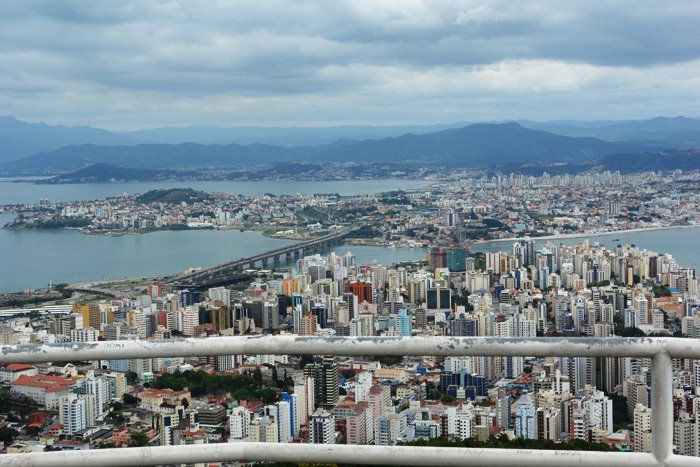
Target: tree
pixel 287 382
pixel 138 439
pixel 620 415
pixel 305 360
pixel 632 332
pixel 117 406
pixel 115 418
pixel 130 400
pixel 242 394
pixel 660 291
pixel 268 395
pixel 8 435
pixel 32 430
pixel 131 377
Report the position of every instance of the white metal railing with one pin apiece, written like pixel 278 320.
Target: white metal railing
pixel 661 350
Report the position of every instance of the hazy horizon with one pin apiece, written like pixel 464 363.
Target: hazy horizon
pixel 331 125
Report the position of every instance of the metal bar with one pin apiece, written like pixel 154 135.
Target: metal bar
pixel 312 345
pixel 681 461
pixel 660 349
pixel 662 406
pixel 326 453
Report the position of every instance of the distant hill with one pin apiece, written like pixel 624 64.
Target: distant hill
pixel 481 144
pixel 21 139
pixel 104 173
pixel 279 136
pixel 475 145
pixel 174 196
pixel 667 160
pixel 674 132
pixel 152 156
pixel 677 132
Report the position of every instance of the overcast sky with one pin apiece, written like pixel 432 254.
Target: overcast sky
pixel 143 64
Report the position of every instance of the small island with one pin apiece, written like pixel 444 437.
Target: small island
pixel 174 196
pixel 288 217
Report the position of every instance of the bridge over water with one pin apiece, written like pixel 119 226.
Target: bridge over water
pixel 232 271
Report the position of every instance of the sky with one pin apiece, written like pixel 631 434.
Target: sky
pixel 125 65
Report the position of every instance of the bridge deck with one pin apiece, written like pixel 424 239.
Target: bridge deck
pixel 214 274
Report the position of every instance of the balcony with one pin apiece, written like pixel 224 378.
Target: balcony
pixel 660 350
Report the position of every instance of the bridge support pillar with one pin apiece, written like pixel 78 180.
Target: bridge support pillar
pixel 296 255
pixel 288 257
pixel 264 263
pixel 251 265
pixel 276 260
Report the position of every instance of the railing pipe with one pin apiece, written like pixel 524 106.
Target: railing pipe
pixel 661 350
pixel 313 345
pixel 326 453
pixel 662 407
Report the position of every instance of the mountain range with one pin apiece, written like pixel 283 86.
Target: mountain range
pixel 475 145
pixel 36 148
pixel 21 139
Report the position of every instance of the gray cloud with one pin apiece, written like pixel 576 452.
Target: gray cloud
pixel 142 64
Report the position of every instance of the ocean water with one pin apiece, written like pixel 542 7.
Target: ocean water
pixel 18 192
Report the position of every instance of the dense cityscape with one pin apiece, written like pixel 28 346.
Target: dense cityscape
pixel 556 290
pixel 334 234
pixel 479 207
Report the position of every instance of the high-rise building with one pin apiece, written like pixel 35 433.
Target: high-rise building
pixel 221 294
pixel 84 335
pixel 525 421
pixel 322 427
pixel 221 318
pixel 90 313
pixel 642 429
pixel 283 418
pixel 362 290
pixel 294 402
pixel 326 380
pixel 360 424
pixel 403 324
pixel 439 298
pixel 456 259
pixel 307 324
pixel 97 387
pixel 437 258
pixel 75 413
pixel 421 316
pixel 305 391
pixel 549 423
pixel 390 428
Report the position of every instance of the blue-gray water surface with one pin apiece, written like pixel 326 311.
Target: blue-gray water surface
pixel 34 258
pixel 31 259
pixel 18 192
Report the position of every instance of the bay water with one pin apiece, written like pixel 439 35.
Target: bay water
pixel 33 259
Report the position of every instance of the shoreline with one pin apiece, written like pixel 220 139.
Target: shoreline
pixel 358 244
pixel 587 234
